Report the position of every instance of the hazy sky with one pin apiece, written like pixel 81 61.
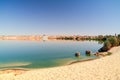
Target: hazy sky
pixel 84 17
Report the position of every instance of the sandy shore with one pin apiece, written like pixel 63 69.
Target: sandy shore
pixel 105 68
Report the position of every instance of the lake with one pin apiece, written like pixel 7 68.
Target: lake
pixel 43 54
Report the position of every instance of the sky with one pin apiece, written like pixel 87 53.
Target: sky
pixel 55 17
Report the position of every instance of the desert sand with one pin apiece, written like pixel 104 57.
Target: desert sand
pixel 105 68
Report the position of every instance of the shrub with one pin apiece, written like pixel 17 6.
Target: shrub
pixel 119 36
pixel 110 41
pixel 107 45
pixel 114 41
pixel 100 37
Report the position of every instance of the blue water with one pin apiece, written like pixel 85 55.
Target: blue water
pixel 42 54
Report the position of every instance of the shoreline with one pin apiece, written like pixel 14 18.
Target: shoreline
pixel 78 61
pixel 104 68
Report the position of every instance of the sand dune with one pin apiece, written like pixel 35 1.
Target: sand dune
pixel 105 68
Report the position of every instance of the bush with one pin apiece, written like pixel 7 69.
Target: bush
pixel 114 41
pixel 110 41
pixel 107 45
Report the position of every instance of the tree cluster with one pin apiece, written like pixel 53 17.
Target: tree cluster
pixel 109 42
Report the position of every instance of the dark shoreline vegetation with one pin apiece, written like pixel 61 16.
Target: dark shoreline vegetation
pixel 109 42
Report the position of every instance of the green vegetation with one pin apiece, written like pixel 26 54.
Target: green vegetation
pixel 107 45
pixel 113 41
pixel 109 42
pixel 76 37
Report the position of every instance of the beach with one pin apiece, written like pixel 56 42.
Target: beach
pixel 104 68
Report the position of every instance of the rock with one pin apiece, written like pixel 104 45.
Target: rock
pixel 77 54
pixel 97 54
pixel 88 52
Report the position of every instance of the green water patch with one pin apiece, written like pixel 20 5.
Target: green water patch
pixel 49 63
pixel 56 62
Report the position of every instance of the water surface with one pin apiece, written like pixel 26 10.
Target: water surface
pixel 42 54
